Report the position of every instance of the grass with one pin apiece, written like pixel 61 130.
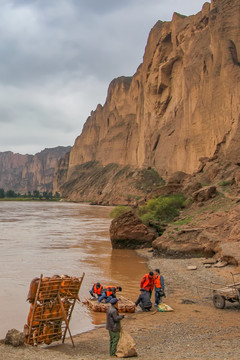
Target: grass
pixel 224 182
pixel 119 210
pixel 183 221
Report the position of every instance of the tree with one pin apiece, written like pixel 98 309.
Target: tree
pixel 11 194
pixel 36 194
pixel 2 193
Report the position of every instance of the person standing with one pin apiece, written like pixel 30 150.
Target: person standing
pixel 148 282
pixel 159 287
pixel 144 300
pixel 113 325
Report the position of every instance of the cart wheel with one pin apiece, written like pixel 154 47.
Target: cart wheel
pixel 219 301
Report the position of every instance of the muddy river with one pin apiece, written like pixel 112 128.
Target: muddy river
pixel 60 238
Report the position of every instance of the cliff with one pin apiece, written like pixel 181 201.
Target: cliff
pixel 24 173
pixel 179 109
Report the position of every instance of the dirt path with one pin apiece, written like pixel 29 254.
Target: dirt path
pixel 192 331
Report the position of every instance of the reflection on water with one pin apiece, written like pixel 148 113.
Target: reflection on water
pixel 59 238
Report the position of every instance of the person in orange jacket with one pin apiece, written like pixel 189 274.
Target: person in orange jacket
pixel 148 282
pixel 96 289
pixel 108 293
pixel 159 287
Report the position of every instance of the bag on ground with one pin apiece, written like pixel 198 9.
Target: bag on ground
pixel 164 307
pixel 126 346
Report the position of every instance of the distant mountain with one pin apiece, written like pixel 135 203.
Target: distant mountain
pixel 24 173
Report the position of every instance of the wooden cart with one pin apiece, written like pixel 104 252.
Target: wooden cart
pixel 52 303
pixel 229 293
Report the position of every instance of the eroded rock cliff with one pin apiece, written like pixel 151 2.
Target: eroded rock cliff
pixel 24 173
pixel 181 106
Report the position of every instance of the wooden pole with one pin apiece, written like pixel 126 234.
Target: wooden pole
pixel 65 319
pixel 34 308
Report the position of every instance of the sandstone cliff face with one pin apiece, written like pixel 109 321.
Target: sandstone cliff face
pixel 23 173
pixel 181 106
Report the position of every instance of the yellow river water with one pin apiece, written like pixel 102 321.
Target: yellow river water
pixel 60 238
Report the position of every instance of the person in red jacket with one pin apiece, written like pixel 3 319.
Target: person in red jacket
pixel 148 282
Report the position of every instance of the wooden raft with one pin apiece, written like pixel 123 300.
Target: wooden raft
pixel 52 303
pixel 124 305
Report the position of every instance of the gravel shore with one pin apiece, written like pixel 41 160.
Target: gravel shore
pixel 194 330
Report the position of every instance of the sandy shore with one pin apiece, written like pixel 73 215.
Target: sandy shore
pixel 195 330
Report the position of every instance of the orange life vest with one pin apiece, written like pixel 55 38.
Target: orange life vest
pixel 158 281
pixel 109 290
pixel 149 282
pixel 97 290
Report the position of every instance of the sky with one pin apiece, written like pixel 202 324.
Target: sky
pixel 57 58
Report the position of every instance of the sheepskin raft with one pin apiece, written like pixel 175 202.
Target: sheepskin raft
pixel 124 305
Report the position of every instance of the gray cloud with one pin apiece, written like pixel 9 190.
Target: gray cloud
pixel 58 57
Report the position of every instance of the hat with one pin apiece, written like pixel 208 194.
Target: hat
pixel 151 273
pixel 113 301
pixel 98 284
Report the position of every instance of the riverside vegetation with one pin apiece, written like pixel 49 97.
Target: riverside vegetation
pixel 11 195
pixel 156 212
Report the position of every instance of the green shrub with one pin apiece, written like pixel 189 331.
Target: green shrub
pixel 119 210
pixel 184 221
pixel 161 210
pixel 149 179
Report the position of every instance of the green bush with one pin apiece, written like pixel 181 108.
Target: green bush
pixel 149 179
pixel 119 210
pixel 225 183
pixel 161 210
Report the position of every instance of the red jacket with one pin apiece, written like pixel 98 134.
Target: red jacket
pixel 147 282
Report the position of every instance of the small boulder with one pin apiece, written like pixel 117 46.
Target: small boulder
pixel 177 178
pixel 14 338
pixel 209 261
pixel 188 301
pixel 221 264
pixel 207 266
pixel 192 267
pixel 205 193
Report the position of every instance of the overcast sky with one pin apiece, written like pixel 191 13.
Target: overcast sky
pixel 57 58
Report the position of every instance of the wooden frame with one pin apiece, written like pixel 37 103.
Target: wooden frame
pixel 52 303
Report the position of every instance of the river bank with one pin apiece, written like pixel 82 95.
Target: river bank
pixel 194 330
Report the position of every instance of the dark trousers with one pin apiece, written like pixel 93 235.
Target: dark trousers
pixel 145 308
pixel 114 338
pixel 158 296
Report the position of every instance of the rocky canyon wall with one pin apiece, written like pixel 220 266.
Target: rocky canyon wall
pixel 181 106
pixel 24 173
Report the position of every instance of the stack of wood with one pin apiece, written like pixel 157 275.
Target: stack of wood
pixel 52 301
pixel 123 305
